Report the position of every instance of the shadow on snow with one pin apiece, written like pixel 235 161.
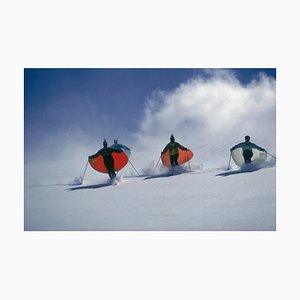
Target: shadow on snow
pixel 86 187
pixel 247 169
pixel 161 175
pixel 178 171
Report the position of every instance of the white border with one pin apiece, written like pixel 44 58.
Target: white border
pixel 139 265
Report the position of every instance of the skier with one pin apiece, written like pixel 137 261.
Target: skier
pixel 173 150
pixel 118 146
pixel 106 153
pixel 247 147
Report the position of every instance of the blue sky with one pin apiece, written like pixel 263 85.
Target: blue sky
pixel 63 104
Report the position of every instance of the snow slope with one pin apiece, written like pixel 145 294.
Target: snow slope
pixel 200 200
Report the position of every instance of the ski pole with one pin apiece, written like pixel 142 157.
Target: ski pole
pixel 156 164
pixel 134 167
pixel 84 172
pixel 229 161
pixel 270 154
pixel 188 160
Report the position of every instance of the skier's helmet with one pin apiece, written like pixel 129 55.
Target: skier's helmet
pixel 172 138
pixel 104 143
pixel 247 138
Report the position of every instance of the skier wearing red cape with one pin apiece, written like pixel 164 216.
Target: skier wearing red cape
pixel 175 154
pixel 107 153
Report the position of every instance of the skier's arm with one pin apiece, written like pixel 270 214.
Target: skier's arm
pixel 181 147
pixel 96 154
pixel 125 147
pixel 165 149
pixel 257 147
pixel 235 147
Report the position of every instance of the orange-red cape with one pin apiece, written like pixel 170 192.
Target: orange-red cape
pixel 183 157
pixel 120 161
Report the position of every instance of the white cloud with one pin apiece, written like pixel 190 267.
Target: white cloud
pixel 210 114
